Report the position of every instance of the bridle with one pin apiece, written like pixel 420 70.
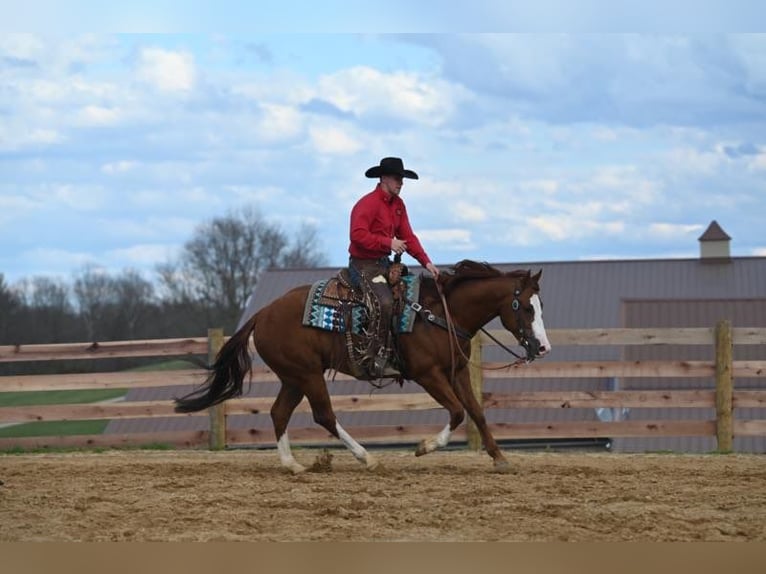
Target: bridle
pixel 453 334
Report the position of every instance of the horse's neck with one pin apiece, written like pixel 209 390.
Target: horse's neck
pixel 475 303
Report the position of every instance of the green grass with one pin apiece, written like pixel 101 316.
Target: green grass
pixel 171 365
pixel 56 428
pixel 66 428
pixel 32 398
pixel 53 428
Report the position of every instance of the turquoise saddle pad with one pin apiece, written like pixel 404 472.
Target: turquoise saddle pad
pixel 333 318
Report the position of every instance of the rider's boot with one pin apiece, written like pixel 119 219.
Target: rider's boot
pixel 382 367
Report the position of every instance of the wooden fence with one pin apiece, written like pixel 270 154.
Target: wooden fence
pixel 723 369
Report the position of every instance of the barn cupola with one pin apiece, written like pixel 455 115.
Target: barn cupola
pixel 714 244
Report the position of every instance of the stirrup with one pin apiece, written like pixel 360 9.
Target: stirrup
pixel 381 368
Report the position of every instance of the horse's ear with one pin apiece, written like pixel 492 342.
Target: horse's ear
pixel 536 276
pixel 526 279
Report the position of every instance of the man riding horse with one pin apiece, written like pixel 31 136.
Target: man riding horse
pixel 379 225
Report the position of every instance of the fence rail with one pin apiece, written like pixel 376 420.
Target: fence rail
pixel 723 370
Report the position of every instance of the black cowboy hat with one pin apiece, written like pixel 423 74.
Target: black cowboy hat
pixel 391 166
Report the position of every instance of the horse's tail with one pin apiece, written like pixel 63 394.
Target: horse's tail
pixel 232 364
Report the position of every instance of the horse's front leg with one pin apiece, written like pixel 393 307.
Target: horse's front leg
pixel 476 412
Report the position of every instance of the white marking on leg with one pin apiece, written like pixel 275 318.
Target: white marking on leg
pixel 439 441
pixel 286 455
pixel 359 452
pixel 442 439
pixel 538 327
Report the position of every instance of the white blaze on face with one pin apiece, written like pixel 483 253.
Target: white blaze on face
pixel 538 327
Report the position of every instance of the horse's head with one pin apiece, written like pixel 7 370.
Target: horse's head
pixel 522 314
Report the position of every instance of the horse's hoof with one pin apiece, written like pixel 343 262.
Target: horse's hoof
pixel 373 464
pixel 421 450
pixel 503 466
pixel 297 469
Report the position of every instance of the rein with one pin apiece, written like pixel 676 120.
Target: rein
pixel 502 346
pixel 452 334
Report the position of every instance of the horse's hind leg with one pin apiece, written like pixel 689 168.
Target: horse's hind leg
pixel 439 388
pixel 321 407
pixel 287 399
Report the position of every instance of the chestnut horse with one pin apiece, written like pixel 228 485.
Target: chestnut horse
pixel 434 357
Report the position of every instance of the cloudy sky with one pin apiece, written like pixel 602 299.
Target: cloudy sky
pixel 530 147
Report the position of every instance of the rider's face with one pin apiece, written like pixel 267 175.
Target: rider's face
pixel 392 183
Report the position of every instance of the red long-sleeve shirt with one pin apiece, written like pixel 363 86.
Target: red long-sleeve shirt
pixel 375 220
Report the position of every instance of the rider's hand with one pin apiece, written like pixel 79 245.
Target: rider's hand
pixel 433 269
pixel 398 246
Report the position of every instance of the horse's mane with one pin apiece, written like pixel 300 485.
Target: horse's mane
pixel 467 269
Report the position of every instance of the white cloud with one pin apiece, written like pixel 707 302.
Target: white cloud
pixel 278 123
pixel 603 133
pixel 43 91
pixel 142 230
pixel 22 47
pixel 673 230
pixel 166 70
pixel 142 255
pixel 334 140
pixel 456 239
pixel 43 136
pixel 538 66
pixel 469 212
pixel 280 86
pixel 751 51
pixel 52 260
pixel 428 189
pixel 14 206
pixel 757 163
pixel 543 186
pixel 198 195
pixel 365 91
pixel 98 116
pixel 621 189
pixel 117 167
pixel 565 227
pixel 71 197
pixel 16 137
pixel 694 161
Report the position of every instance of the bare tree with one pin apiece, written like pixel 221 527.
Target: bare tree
pixel 95 294
pixel 44 293
pixel 50 316
pixel 9 307
pixel 219 266
pixel 303 251
pixel 134 298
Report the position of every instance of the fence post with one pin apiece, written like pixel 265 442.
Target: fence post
pixel 217 414
pixel 723 385
pixel 477 386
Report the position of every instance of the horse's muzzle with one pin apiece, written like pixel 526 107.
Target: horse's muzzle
pixel 532 347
